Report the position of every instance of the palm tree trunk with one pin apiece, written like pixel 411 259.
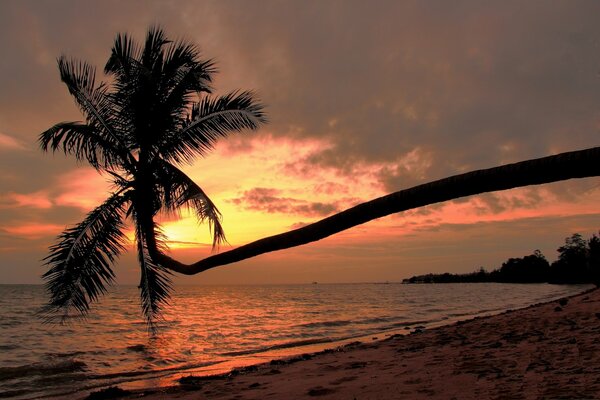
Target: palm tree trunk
pixel 576 164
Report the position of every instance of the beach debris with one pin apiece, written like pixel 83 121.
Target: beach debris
pixel 113 392
pixel 320 391
pixel 273 371
pixel 194 380
pixel 563 302
pixel 418 329
pixel 285 361
pixel 395 336
pixel 245 370
pixel 326 351
pixel 242 370
pixel 357 364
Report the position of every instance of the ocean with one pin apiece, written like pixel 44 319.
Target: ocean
pixel 210 329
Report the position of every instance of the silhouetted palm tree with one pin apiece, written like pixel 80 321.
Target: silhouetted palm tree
pixel 153 115
pixel 145 122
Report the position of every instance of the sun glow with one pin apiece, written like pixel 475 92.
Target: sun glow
pixel 270 188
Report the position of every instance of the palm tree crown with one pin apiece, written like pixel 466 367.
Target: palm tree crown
pixel 155 114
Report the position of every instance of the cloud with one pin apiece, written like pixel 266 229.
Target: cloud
pixel 33 230
pixel 39 199
pixel 269 200
pixel 408 170
pixel 82 188
pixel 298 225
pixel 10 143
pixel 477 87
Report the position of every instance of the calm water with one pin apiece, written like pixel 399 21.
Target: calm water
pixel 212 328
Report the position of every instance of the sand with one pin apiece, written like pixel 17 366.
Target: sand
pixel 546 351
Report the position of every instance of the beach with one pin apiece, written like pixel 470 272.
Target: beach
pixel 545 351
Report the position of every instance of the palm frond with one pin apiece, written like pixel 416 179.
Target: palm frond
pixel 179 190
pixel 210 120
pixel 181 89
pixel 123 56
pixel 182 64
pixel 155 282
pixel 94 101
pixel 120 182
pixel 153 54
pixel 80 263
pixel 85 143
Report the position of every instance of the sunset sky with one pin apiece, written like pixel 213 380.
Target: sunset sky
pixel 364 98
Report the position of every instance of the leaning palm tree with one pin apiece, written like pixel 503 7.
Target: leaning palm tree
pixel 155 114
pixel 139 128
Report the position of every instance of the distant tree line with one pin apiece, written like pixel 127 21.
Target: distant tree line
pixel 578 262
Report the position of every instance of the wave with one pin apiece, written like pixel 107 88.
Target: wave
pixel 280 346
pixel 324 324
pixel 298 343
pixel 43 369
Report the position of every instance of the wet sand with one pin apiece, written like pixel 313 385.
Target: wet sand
pixel 546 351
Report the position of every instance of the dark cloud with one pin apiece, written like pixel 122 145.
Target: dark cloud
pixel 473 83
pixel 269 200
pixel 511 80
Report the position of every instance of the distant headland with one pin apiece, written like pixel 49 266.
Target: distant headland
pixel 578 262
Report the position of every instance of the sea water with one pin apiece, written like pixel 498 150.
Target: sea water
pixel 209 329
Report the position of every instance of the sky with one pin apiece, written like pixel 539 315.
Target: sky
pixel 364 99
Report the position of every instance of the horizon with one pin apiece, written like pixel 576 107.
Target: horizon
pixel 184 283
pixel 362 101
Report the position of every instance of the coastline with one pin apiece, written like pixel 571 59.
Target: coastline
pixel 545 350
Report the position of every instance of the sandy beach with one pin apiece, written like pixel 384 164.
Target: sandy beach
pixel 545 351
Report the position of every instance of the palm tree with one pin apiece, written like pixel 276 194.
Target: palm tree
pixel 155 114
pixel 145 123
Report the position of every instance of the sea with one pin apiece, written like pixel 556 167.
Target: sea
pixel 212 329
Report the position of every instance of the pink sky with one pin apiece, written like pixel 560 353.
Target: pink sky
pixel 362 100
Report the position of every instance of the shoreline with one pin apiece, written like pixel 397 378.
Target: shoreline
pixel 543 350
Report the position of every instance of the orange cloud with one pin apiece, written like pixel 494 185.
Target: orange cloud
pixel 276 176
pixel 83 188
pixel 258 181
pixel 10 143
pixel 32 230
pixel 269 201
pixel 38 199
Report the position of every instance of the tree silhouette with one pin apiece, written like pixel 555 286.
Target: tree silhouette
pixel 574 264
pixel 145 122
pixel 529 269
pixel 594 259
pixel 154 115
